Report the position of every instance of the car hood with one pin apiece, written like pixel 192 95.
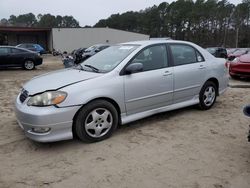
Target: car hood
pixel 245 58
pixel 57 79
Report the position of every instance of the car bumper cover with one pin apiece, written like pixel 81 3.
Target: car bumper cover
pixel 45 124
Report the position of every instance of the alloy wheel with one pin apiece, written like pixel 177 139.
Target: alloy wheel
pixel 29 65
pixel 209 96
pixel 98 122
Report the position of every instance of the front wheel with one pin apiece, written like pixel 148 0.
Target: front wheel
pixel 96 121
pixel 207 95
pixel 29 65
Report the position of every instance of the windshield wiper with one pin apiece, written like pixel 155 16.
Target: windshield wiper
pixel 79 66
pixel 93 68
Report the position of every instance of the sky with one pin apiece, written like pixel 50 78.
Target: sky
pixel 87 12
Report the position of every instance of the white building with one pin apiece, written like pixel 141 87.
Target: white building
pixel 67 39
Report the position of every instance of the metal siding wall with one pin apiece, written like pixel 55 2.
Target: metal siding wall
pixel 68 39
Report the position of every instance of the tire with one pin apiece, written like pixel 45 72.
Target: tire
pixel 208 95
pixel 29 65
pixel 96 121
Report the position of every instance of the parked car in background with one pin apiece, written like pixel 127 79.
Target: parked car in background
pixel 240 67
pixel 246 111
pixel 19 57
pixel 237 53
pixel 218 52
pixel 120 84
pixel 33 47
pixel 77 54
pixel 92 50
pixel 56 52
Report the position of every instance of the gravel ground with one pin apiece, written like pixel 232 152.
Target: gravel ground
pixel 183 148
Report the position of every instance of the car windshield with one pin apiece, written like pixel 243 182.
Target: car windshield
pixel 109 58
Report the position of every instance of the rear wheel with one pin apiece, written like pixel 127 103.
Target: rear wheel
pixel 208 95
pixel 96 121
pixel 29 65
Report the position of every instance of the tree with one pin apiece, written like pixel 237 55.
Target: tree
pixel 46 20
pixel 205 22
pixel 26 20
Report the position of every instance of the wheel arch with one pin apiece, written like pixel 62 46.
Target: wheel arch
pixel 112 101
pixel 216 82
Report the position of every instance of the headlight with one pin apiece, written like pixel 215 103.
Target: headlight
pixel 235 60
pixel 47 98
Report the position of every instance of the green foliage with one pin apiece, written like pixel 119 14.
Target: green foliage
pixel 206 22
pixel 46 20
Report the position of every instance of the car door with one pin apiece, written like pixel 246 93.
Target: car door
pixel 4 56
pixel 153 87
pixel 189 69
pixel 17 56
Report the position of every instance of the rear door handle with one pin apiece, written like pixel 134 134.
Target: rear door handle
pixel 202 67
pixel 167 73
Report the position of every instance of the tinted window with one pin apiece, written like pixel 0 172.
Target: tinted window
pixel 103 47
pixel 152 58
pixel 15 51
pixel 185 54
pixel 4 51
pixel 30 46
pixel 22 46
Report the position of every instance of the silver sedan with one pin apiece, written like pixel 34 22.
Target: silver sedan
pixel 121 84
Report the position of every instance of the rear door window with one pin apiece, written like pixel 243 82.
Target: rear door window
pixel 184 54
pixel 16 51
pixel 4 51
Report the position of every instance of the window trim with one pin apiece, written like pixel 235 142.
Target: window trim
pixel 122 72
pixel 184 44
pixel 12 51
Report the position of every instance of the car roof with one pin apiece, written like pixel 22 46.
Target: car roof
pixel 217 47
pixel 27 43
pixel 149 42
pixel 24 49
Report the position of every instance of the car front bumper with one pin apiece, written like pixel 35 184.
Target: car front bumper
pixel 56 121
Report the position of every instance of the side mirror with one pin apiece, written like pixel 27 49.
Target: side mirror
pixel 97 50
pixel 246 110
pixel 133 68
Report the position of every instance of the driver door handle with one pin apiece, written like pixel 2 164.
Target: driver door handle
pixel 167 73
pixel 202 67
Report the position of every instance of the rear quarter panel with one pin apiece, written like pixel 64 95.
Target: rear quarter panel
pixel 217 69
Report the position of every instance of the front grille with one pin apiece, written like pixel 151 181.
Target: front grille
pixel 24 95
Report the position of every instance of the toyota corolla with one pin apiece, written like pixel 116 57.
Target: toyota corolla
pixel 121 84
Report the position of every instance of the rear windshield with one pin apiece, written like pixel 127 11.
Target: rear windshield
pixel 211 50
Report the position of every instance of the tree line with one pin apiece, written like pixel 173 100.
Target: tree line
pixel 41 20
pixel 207 23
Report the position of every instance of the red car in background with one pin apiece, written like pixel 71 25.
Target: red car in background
pixel 237 53
pixel 240 67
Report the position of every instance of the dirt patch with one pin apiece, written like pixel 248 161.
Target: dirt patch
pixel 182 148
